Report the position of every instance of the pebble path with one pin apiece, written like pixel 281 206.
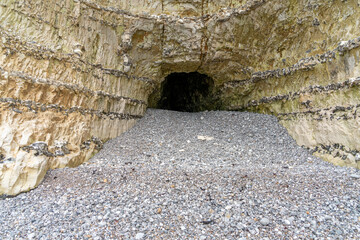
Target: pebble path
pixel 208 175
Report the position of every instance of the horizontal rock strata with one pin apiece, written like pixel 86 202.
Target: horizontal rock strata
pixel 76 73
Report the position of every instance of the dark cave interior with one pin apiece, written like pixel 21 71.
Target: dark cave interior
pixel 186 92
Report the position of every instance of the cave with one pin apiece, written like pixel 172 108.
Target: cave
pixel 298 61
pixel 186 92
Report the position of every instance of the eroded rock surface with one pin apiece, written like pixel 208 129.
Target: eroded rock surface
pixel 76 73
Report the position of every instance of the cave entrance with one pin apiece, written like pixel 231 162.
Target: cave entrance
pixel 186 92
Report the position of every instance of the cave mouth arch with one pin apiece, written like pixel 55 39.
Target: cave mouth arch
pixel 186 92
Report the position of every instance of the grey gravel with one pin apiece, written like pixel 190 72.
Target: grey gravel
pixel 160 180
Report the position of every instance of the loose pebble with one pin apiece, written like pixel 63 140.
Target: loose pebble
pixel 158 181
pixel 139 236
pixel 265 221
pixel 356 176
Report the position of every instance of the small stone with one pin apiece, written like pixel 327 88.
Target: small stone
pixel 206 222
pixel 127 68
pixel 287 222
pixel 339 232
pixel 356 176
pixel 357 157
pixel 343 43
pixel 139 236
pixel 5 75
pixel 205 138
pixel 313 223
pixel 265 221
pixel 31 235
pixel 78 52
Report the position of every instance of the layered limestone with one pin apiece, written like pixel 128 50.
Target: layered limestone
pixel 76 73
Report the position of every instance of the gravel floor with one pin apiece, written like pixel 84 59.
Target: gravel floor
pixel 245 178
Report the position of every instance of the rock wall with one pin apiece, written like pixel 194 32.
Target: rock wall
pixel 75 73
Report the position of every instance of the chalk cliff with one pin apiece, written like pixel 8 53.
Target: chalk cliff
pixel 75 73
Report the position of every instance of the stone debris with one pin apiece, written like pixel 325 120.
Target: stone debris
pixel 205 138
pixel 40 148
pixel 265 221
pixel 144 188
pixel 139 236
pixel 356 176
pixel 357 157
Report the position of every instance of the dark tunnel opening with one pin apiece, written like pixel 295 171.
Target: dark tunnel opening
pixel 186 92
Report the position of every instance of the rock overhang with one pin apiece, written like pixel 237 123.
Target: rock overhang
pixel 86 75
